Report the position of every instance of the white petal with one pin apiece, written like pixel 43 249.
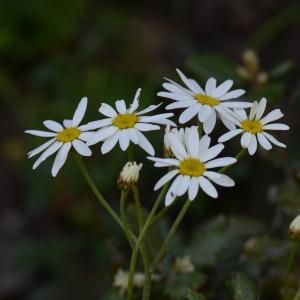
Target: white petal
pixel 228 123
pixel 144 143
pixel 276 126
pixel 241 114
pixel 204 113
pixel 146 127
pixel 124 140
pixel 180 104
pixel 53 125
pixel 193 141
pixel 229 135
pixel 167 161
pixel 96 124
pixel 60 159
pixel 85 136
pixel 203 144
pixel 186 81
pixel 222 88
pixel 41 133
pixel 67 123
pixel 121 106
pixel 135 104
pixel 64 150
pixel 177 147
pixel 185 90
pixel 273 140
pixel 193 188
pixel 207 187
pixel 53 148
pixel 79 112
pixel 107 110
pixel 263 141
pixel 175 88
pixel 81 148
pixel 148 109
pixel 155 118
pixel 272 116
pixel 220 162
pixel 236 104
pixel 102 134
pixel 221 179
pixel 253 145
pixel 232 94
pixel 210 123
pixel 253 110
pixel 183 186
pixel 210 86
pixel 211 152
pixel 170 197
pixel 245 139
pixel 110 142
pixel 162 181
pixel 133 135
pixel 176 97
pixel 188 114
pixel 196 86
pixel 40 148
pixel 261 108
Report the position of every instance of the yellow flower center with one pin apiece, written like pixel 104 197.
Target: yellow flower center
pixel 205 99
pixel 68 134
pixel 252 126
pixel 125 121
pixel 191 167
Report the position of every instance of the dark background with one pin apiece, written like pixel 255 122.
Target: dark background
pixel 56 242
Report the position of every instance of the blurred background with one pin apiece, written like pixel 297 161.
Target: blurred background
pixel 56 242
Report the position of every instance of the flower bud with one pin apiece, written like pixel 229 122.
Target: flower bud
pixel 183 265
pixel 294 229
pixel 129 175
pixel 167 139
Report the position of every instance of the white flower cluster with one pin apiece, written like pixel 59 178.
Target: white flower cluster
pixel 189 156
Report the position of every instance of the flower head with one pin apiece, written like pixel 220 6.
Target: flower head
pixel 191 166
pixel 294 229
pixel 63 138
pixel 125 125
pixel 129 175
pixel 167 139
pixel 205 103
pixel 254 127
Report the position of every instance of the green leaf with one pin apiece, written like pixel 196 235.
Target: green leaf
pixel 282 69
pixel 213 65
pixel 192 295
pixel 177 285
pixel 241 287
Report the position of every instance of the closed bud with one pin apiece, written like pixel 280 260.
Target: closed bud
pixel 167 139
pixel 183 265
pixel 294 229
pixel 129 175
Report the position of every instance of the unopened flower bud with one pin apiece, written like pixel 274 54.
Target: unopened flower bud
pixel 183 265
pixel 294 229
pixel 129 175
pixel 167 139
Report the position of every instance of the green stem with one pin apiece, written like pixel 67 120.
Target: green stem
pixel 163 211
pixel 238 156
pixel 97 193
pixel 124 219
pixel 148 275
pixel 131 273
pixel 170 235
pixel 297 296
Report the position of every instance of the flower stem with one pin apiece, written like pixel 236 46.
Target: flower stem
pixel 148 275
pixel 170 235
pixel 289 264
pixel 98 195
pixel 131 273
pixel 238 156
pixel 297 296
pixel 124 219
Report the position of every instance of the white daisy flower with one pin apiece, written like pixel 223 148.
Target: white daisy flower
pixel 63 137
pixel 125 125
pixel 254 127
pixel 191 166
pixel 205 103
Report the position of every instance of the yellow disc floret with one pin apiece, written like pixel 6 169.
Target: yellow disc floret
pixel 252 126
pixel 191 167
pixel 208 100
pixel 68 134
pixel 125 121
